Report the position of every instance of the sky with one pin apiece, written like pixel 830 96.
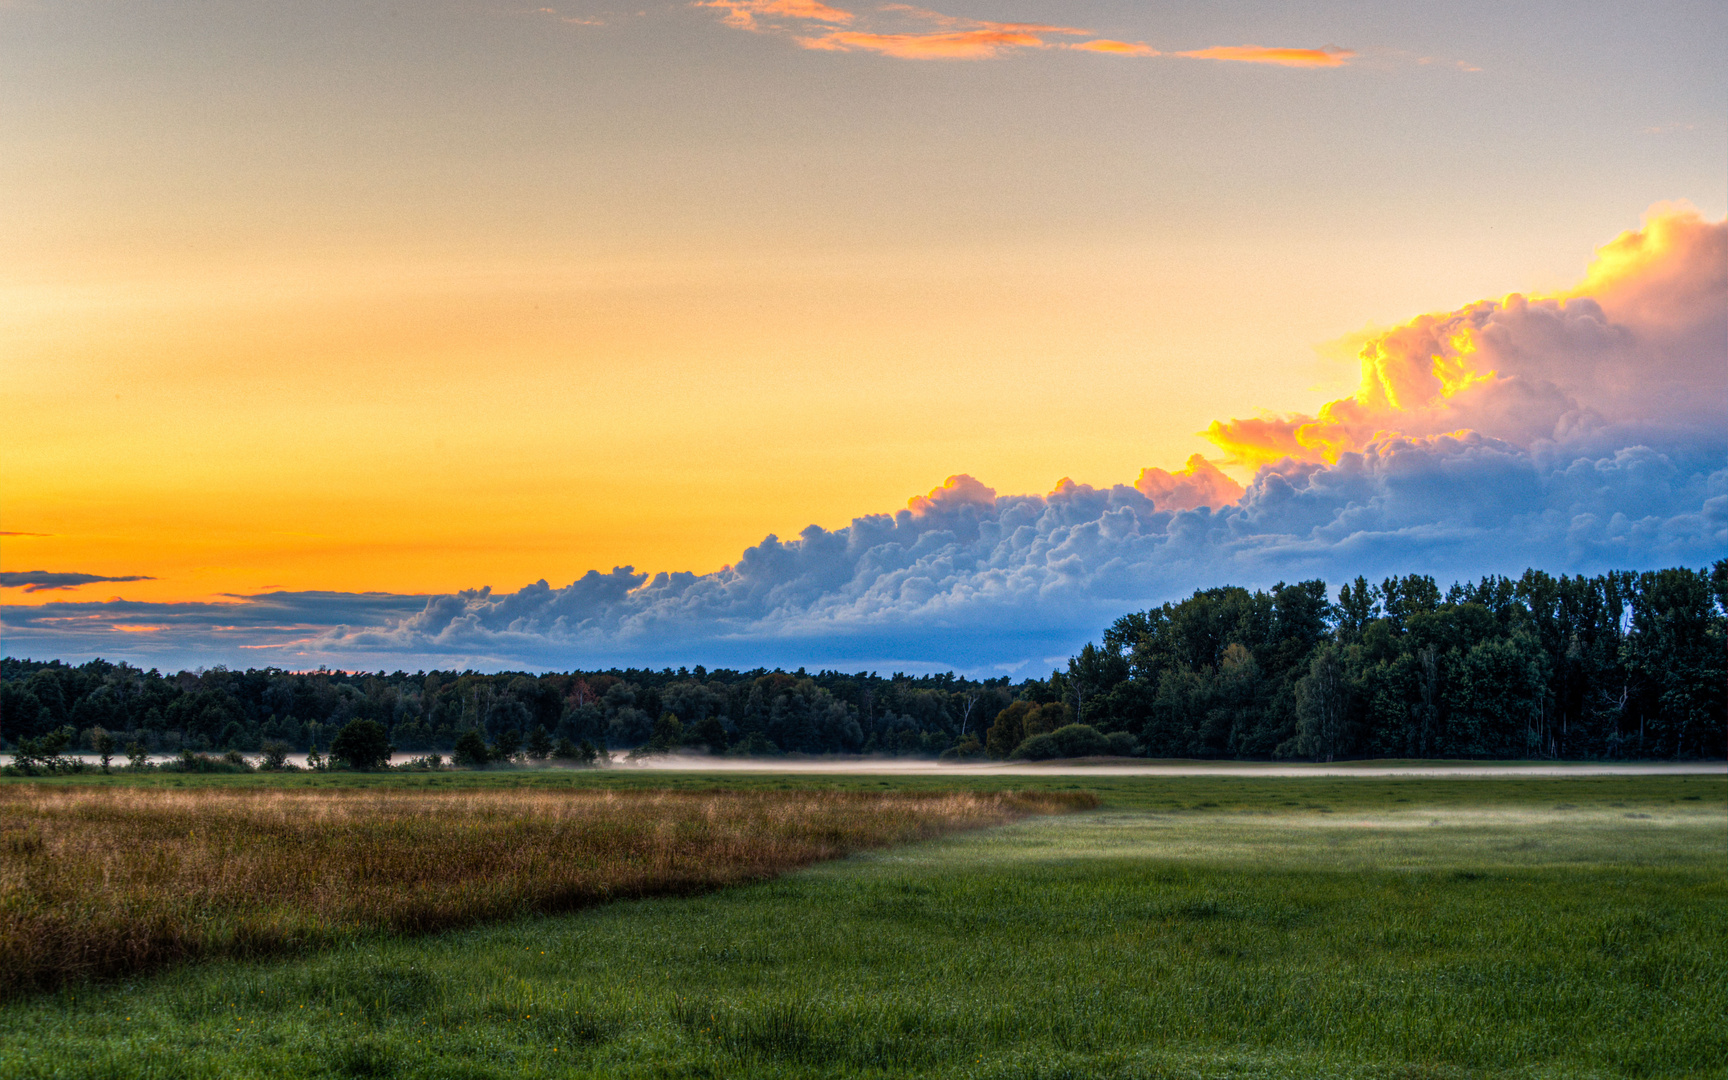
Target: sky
pixel 781 332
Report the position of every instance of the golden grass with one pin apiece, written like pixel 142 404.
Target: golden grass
pixel 108 881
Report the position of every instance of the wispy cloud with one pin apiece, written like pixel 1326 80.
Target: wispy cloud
pixel 1116 48
pixel 40 580
pixel 760 15
pixel 956 45
pixel 1329 56
pixel 913 33
pixel 554 13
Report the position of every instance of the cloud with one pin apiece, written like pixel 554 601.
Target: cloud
pixel 261 629
pixel 1199 483
pixel 752 14
pixel 1576 433
pixel 1329 56
pixel 956 38
pixel 1637 347
pixel 1116 48
pixel 957 45
pixel 39 580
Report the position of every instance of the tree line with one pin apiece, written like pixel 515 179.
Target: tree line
pixel 1619 665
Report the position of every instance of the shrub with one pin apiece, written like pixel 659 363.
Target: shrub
pixel 969 747
pixel 190 761
pixel 362 744
pixel 1123 744
pixel 1072 740
pixel 1020 721
pixel 1037 748
pixel 275 755
pixel 42 754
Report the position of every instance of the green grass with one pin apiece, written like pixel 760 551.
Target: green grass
pixel 1194 927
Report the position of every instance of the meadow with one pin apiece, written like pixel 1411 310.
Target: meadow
pixel 106 880
pixel 1223 926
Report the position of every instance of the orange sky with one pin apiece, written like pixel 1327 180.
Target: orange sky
pixel 419 307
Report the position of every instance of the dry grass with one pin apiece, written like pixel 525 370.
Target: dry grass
pixel 108 881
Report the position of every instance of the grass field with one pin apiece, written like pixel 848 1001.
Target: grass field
pixel 1205 927
pixel 101 880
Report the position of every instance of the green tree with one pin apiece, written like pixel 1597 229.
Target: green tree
pixel 539 743
pixel 1323 702
pixel 668 732
pixel 711 733
pixel 362 744
pixel 470 750
pixel 103 744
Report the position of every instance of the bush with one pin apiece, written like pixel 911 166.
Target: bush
pixel 190 761
pixel 275 755
pixel 43 754
pixel 1123 744
pixel 362 744
pixel 969 747
pixel 1037 748
pixel 1073 740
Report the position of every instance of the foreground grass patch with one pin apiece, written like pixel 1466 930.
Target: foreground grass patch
pixel 101 881
pixel 1269 929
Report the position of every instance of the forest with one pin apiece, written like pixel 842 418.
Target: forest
pixel 1619 665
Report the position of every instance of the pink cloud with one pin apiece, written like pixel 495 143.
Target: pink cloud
pixel 1116 48
pixel 744 13
pixel 1329 56
pixel 956 38
pixel 957 45
pixel 1198 484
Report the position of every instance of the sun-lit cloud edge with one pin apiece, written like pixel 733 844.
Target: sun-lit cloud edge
pixel 1631 341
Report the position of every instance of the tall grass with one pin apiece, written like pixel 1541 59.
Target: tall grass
pixel 98 881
